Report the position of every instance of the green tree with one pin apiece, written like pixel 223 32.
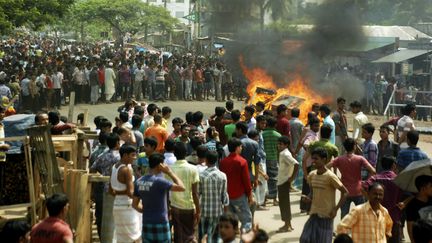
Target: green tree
pixel 31 13
pixel 124 15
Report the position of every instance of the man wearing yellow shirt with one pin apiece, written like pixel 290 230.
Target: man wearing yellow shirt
pixel 324 183
pixel 166 114
pixel 369 222
pixel 185 207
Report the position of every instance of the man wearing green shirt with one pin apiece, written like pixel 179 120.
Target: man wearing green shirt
pixel 230 128
pixel 270 137
pixel 324 142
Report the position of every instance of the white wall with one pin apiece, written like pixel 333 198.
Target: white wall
pixel 177 8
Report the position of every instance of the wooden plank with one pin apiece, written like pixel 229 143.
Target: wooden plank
pixel 98 178
pixel 71 106
pixel 30 180
pixel 21 205
pixel 86 114
pixel 81 162
pixel 16 138
pixel 78 190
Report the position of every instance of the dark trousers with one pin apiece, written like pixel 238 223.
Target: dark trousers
pixel 26 102
pixel 102 96
pixel 395 238
pixel 57 97
pixel 284 201
pixel 226 91
pixel 79 93
pixel 305 206
pixel 144 88
pixel 98 198
pixel 183 222
pixel 199 91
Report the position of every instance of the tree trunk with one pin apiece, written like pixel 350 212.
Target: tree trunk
pixel 82 32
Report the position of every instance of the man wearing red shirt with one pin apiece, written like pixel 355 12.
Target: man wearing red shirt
pixel 239 186
pixel 199 82
pixel 282 125
pixel 101 78
pixel 53 229
pixel 350 166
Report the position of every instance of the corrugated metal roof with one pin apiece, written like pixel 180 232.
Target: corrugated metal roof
pixel 400 56
pixel 369 44
pixel 404 33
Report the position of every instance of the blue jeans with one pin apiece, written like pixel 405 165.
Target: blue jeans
pixel 240 207
pixel 346 206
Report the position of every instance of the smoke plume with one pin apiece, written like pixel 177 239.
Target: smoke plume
pixel 336 27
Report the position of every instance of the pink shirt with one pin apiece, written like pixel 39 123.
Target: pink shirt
pixel 350 167
pixel 309 137
pixel 51 230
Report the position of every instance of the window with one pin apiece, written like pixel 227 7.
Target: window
pixel 179 14
pixel 179 1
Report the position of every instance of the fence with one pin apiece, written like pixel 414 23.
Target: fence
pixel 413 93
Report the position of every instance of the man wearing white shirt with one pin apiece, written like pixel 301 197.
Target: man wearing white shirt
pixel 359 120
pixel 139 81
pixel 57 79
pixel 405 124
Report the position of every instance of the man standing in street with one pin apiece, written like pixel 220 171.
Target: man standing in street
pixel 104 200
pixel 359 120
pixel 324 183
pixel 213 198
pixel 412 153
pixel 405 124
pixel 270 137
pixel 239 186
pixel 152 190
pixel 325 113
pixel 139 86
pixel 350 166
pixel 341 124
pixel 283 126
pixel 110 78
pixel 370 221
pixel 250 150
pixel 185 208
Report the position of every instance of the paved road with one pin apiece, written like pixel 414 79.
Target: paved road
pixel 268 220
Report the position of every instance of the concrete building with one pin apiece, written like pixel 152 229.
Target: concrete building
pixel 177 8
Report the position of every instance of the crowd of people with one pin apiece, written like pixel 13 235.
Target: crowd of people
pixel 204 181
pixel 39 75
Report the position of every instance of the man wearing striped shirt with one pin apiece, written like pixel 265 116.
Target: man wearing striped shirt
pixel 213 198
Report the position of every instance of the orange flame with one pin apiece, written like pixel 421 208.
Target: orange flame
pixel 298 87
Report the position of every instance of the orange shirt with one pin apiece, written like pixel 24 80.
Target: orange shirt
pixel 160 134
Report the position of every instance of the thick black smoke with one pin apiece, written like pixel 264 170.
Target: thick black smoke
pixel 336 26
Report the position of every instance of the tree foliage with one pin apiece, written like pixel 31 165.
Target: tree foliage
pixel 124 15
pixel 32 13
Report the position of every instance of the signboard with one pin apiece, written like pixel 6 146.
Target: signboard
pixel 288 100
pixel 407 69
pixel 193 16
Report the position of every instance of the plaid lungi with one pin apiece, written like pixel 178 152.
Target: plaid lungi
pixel 156 233
pixel 209 227
pixel 317 229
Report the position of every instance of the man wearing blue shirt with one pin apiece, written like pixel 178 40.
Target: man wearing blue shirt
pixel 325 112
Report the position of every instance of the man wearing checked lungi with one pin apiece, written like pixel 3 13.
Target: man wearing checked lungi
pixel 152 190
pixel 324 183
